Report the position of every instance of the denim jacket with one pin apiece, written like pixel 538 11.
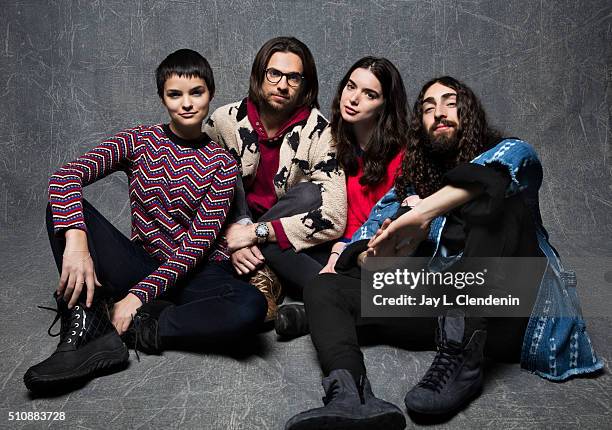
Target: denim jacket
pixel 556 344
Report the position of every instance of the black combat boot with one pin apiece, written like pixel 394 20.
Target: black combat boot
pixel 88 343
pixel 455 376
pixel 291 321
pixel 143 334
pixel 348 405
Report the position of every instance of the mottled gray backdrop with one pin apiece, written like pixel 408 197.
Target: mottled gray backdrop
pixel 73 72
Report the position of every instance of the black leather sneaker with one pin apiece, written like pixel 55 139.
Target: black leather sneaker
pixel 88 343
pixel 455 376
pixel 349 406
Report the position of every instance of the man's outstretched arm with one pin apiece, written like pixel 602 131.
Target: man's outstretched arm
pixel 402 236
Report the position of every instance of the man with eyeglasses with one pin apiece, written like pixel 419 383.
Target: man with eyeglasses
pixel 292 200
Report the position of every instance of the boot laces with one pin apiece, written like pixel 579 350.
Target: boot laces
pixel 360 388
pixel 267 282
pixel 331 392
pixel 139 325
pixel 71 325
pixel 444 364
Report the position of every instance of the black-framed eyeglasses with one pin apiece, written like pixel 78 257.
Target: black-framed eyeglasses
pixel 294 79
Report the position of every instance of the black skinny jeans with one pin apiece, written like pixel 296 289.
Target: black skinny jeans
pixel 295 270
pixel 333 302
pixel 210 303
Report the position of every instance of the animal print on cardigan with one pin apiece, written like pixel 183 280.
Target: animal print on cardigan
pixel 307 153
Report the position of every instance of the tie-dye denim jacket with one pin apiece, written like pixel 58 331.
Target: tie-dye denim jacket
pixel 556 344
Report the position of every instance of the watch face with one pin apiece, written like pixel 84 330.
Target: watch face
pixel 261 230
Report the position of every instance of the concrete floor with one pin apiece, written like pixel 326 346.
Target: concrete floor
pixel 263 383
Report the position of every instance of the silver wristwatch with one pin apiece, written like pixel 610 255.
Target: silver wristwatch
pixel 262 232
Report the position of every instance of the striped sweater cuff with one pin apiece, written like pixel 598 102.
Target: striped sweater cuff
pixel 145 294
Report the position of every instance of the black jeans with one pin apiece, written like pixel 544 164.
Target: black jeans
pixel 333 302
pixel 210 303
pixel 295 270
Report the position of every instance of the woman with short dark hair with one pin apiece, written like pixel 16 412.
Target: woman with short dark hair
pixel 181 185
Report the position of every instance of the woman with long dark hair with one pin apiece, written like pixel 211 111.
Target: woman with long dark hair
pixel 369 125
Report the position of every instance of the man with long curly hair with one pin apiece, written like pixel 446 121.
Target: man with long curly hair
pixel 443 134
pixel 471 194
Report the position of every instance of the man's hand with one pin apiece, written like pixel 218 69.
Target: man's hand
pixel 411 200
pixel 400 237
pixel 246 260
pixel 240 236
pixel 123 311
pixel 403 236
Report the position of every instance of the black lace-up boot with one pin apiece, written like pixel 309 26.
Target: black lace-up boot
pixel 143 334
pixel 455 376
pixel 349 405
pixel 88 343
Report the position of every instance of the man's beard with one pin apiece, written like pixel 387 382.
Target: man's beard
pixel 280 109
pixel 443 147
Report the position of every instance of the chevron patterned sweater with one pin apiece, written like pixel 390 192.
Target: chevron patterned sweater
pixel 180 194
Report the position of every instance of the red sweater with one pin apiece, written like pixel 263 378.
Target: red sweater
pixel 362 198
pixel 262 195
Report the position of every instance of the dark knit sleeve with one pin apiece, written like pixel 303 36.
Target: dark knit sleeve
pixel 492 179
pixel 66 185
pixel 198 240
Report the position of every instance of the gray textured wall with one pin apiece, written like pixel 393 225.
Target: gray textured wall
pixel 73 72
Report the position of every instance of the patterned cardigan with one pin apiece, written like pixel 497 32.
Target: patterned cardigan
pixel 307 154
